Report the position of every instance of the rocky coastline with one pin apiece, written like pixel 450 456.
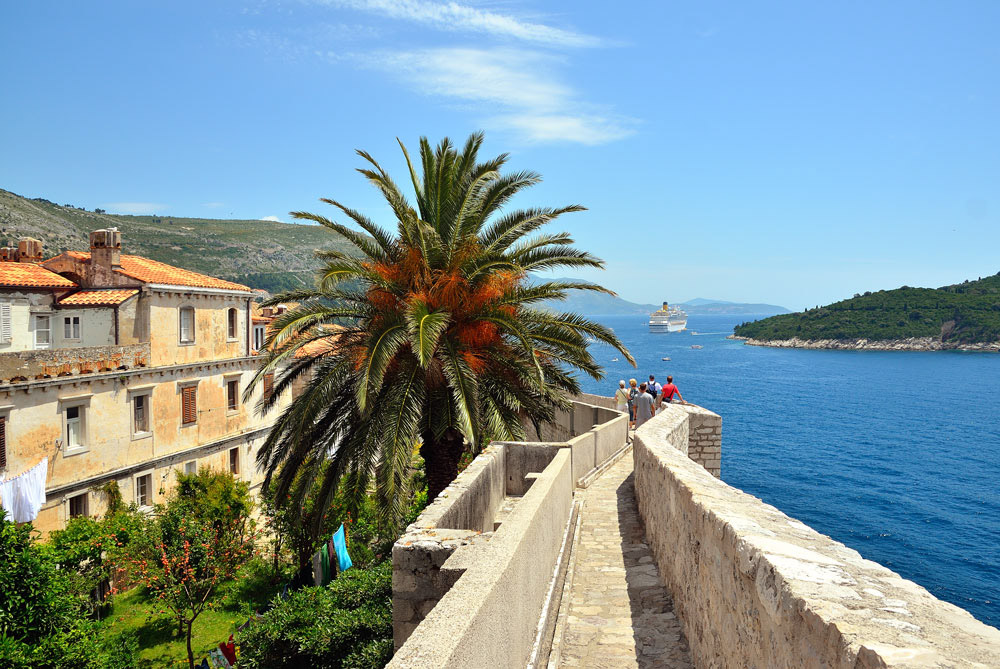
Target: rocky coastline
pixel 910 344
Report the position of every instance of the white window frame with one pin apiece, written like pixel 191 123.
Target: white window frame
pixel 48 329
pixel 258 343
pixel 72 325
pixel 239 458
pixel 135 490
pixel 226 380
pixel 146 393
pixel 86 505
pixel 235 314
pixel 180 326
pixel 83 406
pixel 191 467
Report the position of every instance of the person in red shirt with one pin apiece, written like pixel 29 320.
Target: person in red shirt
pixel 669 391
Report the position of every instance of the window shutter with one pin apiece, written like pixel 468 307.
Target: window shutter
pixel 189 402
pixel 3 443
pixel 5 322
pixel 268 384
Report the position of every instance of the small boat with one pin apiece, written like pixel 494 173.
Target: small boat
pixel 665 359
pixel 697 346
pixel 614 359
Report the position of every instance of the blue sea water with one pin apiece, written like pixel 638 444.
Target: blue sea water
pixel 896 454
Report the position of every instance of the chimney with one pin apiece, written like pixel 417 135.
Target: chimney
pixel 8 254
pixel 106 248
pixel 29 250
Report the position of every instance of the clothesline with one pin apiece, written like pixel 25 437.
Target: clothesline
pixel 22 496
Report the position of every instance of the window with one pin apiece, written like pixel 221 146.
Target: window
pixel 232 324
pixel 144 490
pixel 74 427
pixel 234 461
pixel 258 337
pixel 268 384
pixel 140 414
pixel 78 505
pixel 3 442
pixel 71 327
pixel 5 331
pixel 191 467
pixel 189 405
pixel 187 325
pixel 43 334
pixel 233 394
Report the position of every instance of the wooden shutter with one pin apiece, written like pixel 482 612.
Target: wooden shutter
pixel 268 384
pixel 189 405
pixel 3 442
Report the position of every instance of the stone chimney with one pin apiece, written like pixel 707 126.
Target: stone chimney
pixel 29 250
pixel 8 254
pixel 106 248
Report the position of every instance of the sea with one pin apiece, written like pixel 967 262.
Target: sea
pixel 895 454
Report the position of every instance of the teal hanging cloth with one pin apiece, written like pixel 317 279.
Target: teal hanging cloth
pixel 340 546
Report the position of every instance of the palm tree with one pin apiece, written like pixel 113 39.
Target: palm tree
pixel 434 335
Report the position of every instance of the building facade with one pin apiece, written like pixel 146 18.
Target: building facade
pixel 122 369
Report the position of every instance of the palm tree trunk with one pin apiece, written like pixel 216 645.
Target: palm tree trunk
pixel 441 458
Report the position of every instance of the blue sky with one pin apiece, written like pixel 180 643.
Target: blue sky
pixel 784 152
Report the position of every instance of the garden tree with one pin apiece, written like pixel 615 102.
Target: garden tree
pixel 432 334
pixel 200 539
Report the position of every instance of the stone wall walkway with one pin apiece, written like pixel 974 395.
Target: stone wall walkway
pixel 618 614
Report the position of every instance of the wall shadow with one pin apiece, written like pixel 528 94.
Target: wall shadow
pixel 659 637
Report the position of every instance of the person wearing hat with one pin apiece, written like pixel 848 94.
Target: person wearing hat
pixel 621 397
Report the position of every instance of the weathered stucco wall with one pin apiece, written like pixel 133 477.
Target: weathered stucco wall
pixel 755 588
pixel 36 429
pixel 211 340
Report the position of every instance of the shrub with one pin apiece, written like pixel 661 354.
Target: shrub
pixel 345 624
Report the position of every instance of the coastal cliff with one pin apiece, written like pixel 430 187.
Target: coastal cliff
pixel 908 344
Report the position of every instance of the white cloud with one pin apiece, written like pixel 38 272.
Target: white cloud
pixel 452 16
pixel 136 208
pixel 518 88
pixel 272 218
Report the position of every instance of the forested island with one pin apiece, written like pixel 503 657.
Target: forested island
pixel 964 315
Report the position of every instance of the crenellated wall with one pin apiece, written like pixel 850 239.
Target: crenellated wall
pixel 756 588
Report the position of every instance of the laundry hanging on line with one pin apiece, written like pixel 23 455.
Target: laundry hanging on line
pixel 22 496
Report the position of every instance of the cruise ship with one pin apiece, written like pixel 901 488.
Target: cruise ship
pixel 669 319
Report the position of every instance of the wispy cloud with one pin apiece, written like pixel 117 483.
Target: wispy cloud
pixel 518 87
pixel 213 205
pixel 455 17
pixel 136 208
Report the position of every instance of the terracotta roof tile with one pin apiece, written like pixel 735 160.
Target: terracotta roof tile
pixel 98 297
pixel 152 271
pixel 31 276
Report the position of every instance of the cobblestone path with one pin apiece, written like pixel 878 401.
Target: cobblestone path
pixel 619 615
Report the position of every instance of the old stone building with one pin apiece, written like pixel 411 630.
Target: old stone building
pixel 121 368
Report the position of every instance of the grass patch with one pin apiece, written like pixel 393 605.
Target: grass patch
pixel 162 644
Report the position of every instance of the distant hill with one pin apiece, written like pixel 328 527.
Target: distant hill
pixel 964 313
pixel 600 304
pixel 262 254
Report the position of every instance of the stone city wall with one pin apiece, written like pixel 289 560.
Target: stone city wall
pixel 463 598
pixel 756 588
pixel 458 530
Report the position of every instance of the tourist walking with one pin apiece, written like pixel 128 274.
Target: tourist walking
pixel 644 407
pixel 633 392
pixel 621 397
pixel 670 392
pixel 653 388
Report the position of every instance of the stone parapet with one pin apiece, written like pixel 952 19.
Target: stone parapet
pixel 756 588
pixel 58 362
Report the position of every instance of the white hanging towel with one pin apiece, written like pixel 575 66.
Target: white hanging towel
pixel 22 496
